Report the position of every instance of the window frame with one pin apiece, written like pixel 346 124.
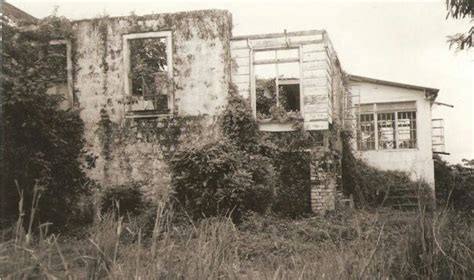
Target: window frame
pixel 69 67
pixel 127 68
pixel 395 112
pixel 275 61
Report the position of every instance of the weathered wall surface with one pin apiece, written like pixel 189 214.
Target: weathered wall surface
pixel 133 149
pixel 418 162
pixel 315 71
pixel 322 92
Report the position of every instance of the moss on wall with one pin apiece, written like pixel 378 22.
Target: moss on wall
pixel 139 149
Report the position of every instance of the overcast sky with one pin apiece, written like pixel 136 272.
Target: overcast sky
pixel 402 41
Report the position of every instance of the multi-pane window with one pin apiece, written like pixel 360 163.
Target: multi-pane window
pixel 149 77
pixel 387 130
pixel 277 80
pixel 366 132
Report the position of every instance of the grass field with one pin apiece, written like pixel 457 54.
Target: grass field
pixel 352 244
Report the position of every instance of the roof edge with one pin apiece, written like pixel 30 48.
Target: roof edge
pixel 430 91
pixel 8 8
pixel 153 15
pixel 278 35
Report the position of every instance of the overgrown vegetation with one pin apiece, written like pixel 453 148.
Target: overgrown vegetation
pixel 372 187
pixel 346 245
pixel 43 158
pixel 245 169
pixel 454 185
pixel 225 176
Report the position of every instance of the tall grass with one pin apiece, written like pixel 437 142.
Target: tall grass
pixel 384 244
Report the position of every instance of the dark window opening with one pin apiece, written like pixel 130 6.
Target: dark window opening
pixel 290 97
pixel 57 63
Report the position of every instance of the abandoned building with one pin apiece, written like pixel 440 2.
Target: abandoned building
pixel 129 74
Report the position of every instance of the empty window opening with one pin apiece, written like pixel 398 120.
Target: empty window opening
pixel 59 66
pixel 148 65
pixel 290 97
pixel 277 81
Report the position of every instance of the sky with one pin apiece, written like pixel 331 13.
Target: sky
pixel 402 41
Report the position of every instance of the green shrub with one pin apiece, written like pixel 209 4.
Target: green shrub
pixel 454 185
pixel 293 198
pixel 220 179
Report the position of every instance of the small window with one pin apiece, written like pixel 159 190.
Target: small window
pixel 366 132
pixel 149 76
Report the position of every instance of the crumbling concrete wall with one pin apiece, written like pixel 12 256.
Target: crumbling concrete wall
pixel 134 149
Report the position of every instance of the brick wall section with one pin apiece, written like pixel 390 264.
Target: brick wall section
pixel 324 181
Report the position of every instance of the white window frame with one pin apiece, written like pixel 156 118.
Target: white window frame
pixel 127 64
pixel 276 61
pixel 374 111
pixel 70 79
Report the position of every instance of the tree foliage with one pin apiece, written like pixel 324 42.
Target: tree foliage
pixel 43 145
pixel 459 9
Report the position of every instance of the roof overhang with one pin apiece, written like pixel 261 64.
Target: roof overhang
pixel 430 93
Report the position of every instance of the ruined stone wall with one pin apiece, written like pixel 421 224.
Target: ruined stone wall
pixel 137 149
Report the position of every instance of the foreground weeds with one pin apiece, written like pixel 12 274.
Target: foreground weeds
pixel 348 245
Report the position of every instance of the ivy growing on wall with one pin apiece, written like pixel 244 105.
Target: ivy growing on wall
pixel 43 145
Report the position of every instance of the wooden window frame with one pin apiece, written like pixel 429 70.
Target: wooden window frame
pixel 127 67
pixel 276 61
pixel 375 111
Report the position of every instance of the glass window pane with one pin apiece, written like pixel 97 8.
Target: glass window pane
pixel 386 130
pixel 406 130
pixel 366 132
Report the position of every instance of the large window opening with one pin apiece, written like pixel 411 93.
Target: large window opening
pixel 277 81
pixel 149 76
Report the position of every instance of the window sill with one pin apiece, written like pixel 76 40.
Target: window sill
pixel 146 114
pixel 276 126
pixel 390 151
